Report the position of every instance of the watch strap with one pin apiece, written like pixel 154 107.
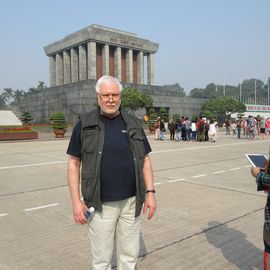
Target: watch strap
pixel 150 190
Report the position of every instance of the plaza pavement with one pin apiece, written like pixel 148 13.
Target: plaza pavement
pixel 209 215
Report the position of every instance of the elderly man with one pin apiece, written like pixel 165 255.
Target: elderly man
pixel 116 177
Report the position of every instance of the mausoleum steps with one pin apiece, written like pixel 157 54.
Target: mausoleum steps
pixel 8 118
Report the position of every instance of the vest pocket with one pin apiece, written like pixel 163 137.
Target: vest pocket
pixel 138 142
pixel 90 140
pixel 87 185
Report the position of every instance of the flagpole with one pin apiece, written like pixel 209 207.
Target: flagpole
pixel 268 92
pixel 224 86
pixel 255 93
pixel 240 91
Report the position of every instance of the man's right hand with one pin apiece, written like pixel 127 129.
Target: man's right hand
pixel 78 213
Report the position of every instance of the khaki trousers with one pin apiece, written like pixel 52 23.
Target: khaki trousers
pixel 116 221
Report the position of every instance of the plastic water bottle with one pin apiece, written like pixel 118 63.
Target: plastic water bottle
pixel 89 213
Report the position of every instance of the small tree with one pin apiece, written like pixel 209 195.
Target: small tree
pixel 163 114
pixel 176 117
pixel 58 121
pixel 152 117
pixel 26 118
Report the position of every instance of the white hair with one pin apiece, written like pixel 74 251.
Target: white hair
pixel 107 80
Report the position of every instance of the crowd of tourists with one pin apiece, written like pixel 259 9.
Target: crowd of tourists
pixel 248 127
pixel 203 129
pixel 186 130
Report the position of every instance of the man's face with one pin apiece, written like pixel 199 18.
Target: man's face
pixel 109 99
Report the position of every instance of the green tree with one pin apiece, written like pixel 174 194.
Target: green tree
pixel 210 115
pixel 26 118
pixel 247 91
pixel 152 117
pixel 58 121
pixel 133 100
pixel 152 113
pixel 195 117
pixel 11 97
pixel 223 106
pixel 31 91
pixel 231 90
pixel 176 117
pixel 211 91
pixel 248 88
pixel 2 101
pixel 34 90
pixel 175 87
pixel 7 95
pixel 18 96
pixel 163 114
pixel 197 93
pixel 41 86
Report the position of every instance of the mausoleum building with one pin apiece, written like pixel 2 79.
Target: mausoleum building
pixel 78 60
pixel 96 51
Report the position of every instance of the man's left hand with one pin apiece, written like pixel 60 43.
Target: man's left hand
pixel 150 202
pixel 255 171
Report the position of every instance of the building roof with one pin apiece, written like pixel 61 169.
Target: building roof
pixel 103 35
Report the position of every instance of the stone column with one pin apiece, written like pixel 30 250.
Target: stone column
pixel 129 66
pixel 150 68
pixel 74 65
pixel 66 57
pixel 105 60
pixel 140 69
pixel 59 69
pixel 117 62
pixel 52 66
pixel 82 63
pixel 92 60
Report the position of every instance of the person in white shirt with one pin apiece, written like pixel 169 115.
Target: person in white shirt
pixel 193 131
pixel 234 128
pixel 212 133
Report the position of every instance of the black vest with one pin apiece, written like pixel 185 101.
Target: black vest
pixel 92 138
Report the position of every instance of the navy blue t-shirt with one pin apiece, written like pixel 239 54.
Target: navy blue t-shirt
pixel 117 174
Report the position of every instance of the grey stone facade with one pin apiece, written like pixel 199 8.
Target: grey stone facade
pixel 75 98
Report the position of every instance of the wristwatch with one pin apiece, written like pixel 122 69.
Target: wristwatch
pixel 150 190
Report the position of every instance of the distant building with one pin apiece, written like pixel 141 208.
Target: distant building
pixel 262 110
pixel 255 110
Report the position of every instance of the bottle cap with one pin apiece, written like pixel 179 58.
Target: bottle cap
pixel 91 209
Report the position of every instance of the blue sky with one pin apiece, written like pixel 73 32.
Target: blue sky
pixel 201 41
